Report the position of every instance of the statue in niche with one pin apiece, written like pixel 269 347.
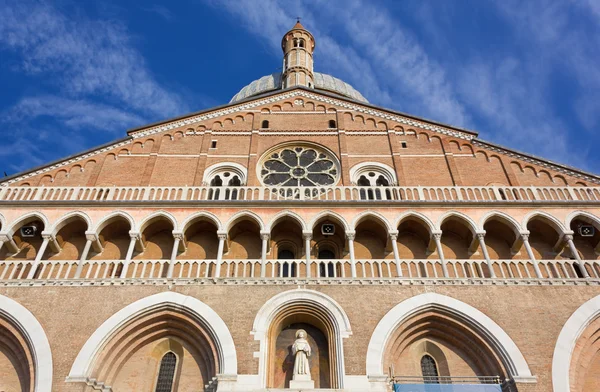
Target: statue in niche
pixel 301 351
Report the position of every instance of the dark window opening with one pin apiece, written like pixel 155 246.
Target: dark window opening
pixel 429 369
pixel 301 43
pixel 265 124
pixel 166 373
pixel 404 145
pixel 285 254
pixel 577 269
pixel 213 144
pixel 331 123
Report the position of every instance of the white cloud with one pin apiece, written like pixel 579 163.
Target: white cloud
pixel 85 57
pixel 161 11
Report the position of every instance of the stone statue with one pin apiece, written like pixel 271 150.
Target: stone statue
pixel 301 351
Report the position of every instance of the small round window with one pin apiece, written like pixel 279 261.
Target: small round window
pixel 299 166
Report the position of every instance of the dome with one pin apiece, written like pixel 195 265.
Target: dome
pixel 322 82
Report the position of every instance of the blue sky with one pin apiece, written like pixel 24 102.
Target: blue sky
pixel 76 74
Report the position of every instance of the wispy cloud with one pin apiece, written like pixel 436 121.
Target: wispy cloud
pixel 161 11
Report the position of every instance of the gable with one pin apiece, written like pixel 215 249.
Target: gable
pixel 176 151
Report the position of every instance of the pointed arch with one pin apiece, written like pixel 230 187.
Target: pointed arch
pixel 555 223
pixel 460 216
pixel 219 332
pixel 252 216
pixel 106 220
pixel 199 216
pixel 417 216
pixel 24 219
pixel 309 301
pixel 504 346
pixel 584 215
pixel 36 338
pixel 512 222
pixel 286 214
pixel 66 219
pixel 158 214
pixel 371 214
pixel 329 214
pixel 567 339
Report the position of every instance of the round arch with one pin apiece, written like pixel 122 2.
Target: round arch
pixel 36 338
pixel 512 222
pixel 417 216
pixel 199 216
pixel 460 216
pixel 513 359
pixel 158 214
pixel 65 219
pixel 27 218
pixel 244 214
pixel 371 214
pixel 106 220
pixel 364 167
pixel 307 299
pixel 329 214
pixel 558 226
pixel 221 167
pixel 286 214
pixel 83 364
pixel 591 218
pixel 567 339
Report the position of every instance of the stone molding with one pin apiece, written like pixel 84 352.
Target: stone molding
pixel 34 334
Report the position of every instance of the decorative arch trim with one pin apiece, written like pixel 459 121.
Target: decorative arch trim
pixel 502 343
pixel 36 338
pixel 223 340
pixel 202 214
pixel 567 339
pixel 558 226
pixel 286 213
pixel 279 302
pixel 325 214
pixel 364 167
pixel 575 214
pixel 419 216
pixel 371 214
pixel 164 214
pixel 2 223
pixel 245 213
pixel 106 219
pixel 235 168
pixel 34 214
pixel 516 226
pixel 455 214
pixel 64 220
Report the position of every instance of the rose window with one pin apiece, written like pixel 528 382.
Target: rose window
pixel 299 166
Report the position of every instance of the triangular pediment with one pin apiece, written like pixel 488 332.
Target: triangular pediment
pixel 301 112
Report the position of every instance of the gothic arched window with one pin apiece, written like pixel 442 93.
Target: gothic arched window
pixel 166 373
pixel 373 174
pixel 429 370
pixel 224 175
pixel 299 166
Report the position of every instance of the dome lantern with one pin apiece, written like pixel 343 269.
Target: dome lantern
pixel 298 46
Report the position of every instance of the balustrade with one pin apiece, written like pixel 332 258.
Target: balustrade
pixel 296 269
pixel 340 193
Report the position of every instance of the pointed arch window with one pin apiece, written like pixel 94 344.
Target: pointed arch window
pixel 429 370
pixel 166 373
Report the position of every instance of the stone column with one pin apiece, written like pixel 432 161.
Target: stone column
pixel 222 238
pixel 437 237
pixel 394 238
pixel 7 239
pixel 133 238
pixel 86 249
pixel 525 238
pixel 486 255
pixel 350 235
pixel 177 238
pixel 307 239
pixel 263 254
pixel 569 239
pixel 38 257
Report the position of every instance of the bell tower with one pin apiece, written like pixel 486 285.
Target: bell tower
pixel 298 46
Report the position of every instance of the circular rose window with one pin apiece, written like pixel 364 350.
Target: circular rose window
pixel 299 166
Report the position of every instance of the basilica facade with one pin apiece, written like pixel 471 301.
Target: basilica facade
pixel 300 238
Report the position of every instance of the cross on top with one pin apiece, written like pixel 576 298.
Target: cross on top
pixel 298 19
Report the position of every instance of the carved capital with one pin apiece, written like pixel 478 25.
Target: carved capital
pixel 307 235
pixel 525 237
pixel 394 236
pixel 568 237
pixel 91 237
pixel 48 236
pixel 350 235
pixel 222 236
pixel 437 235
pixel 481 235
pixel 265 236
pixel 134 235
pixel 178 235
pixel 5 237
